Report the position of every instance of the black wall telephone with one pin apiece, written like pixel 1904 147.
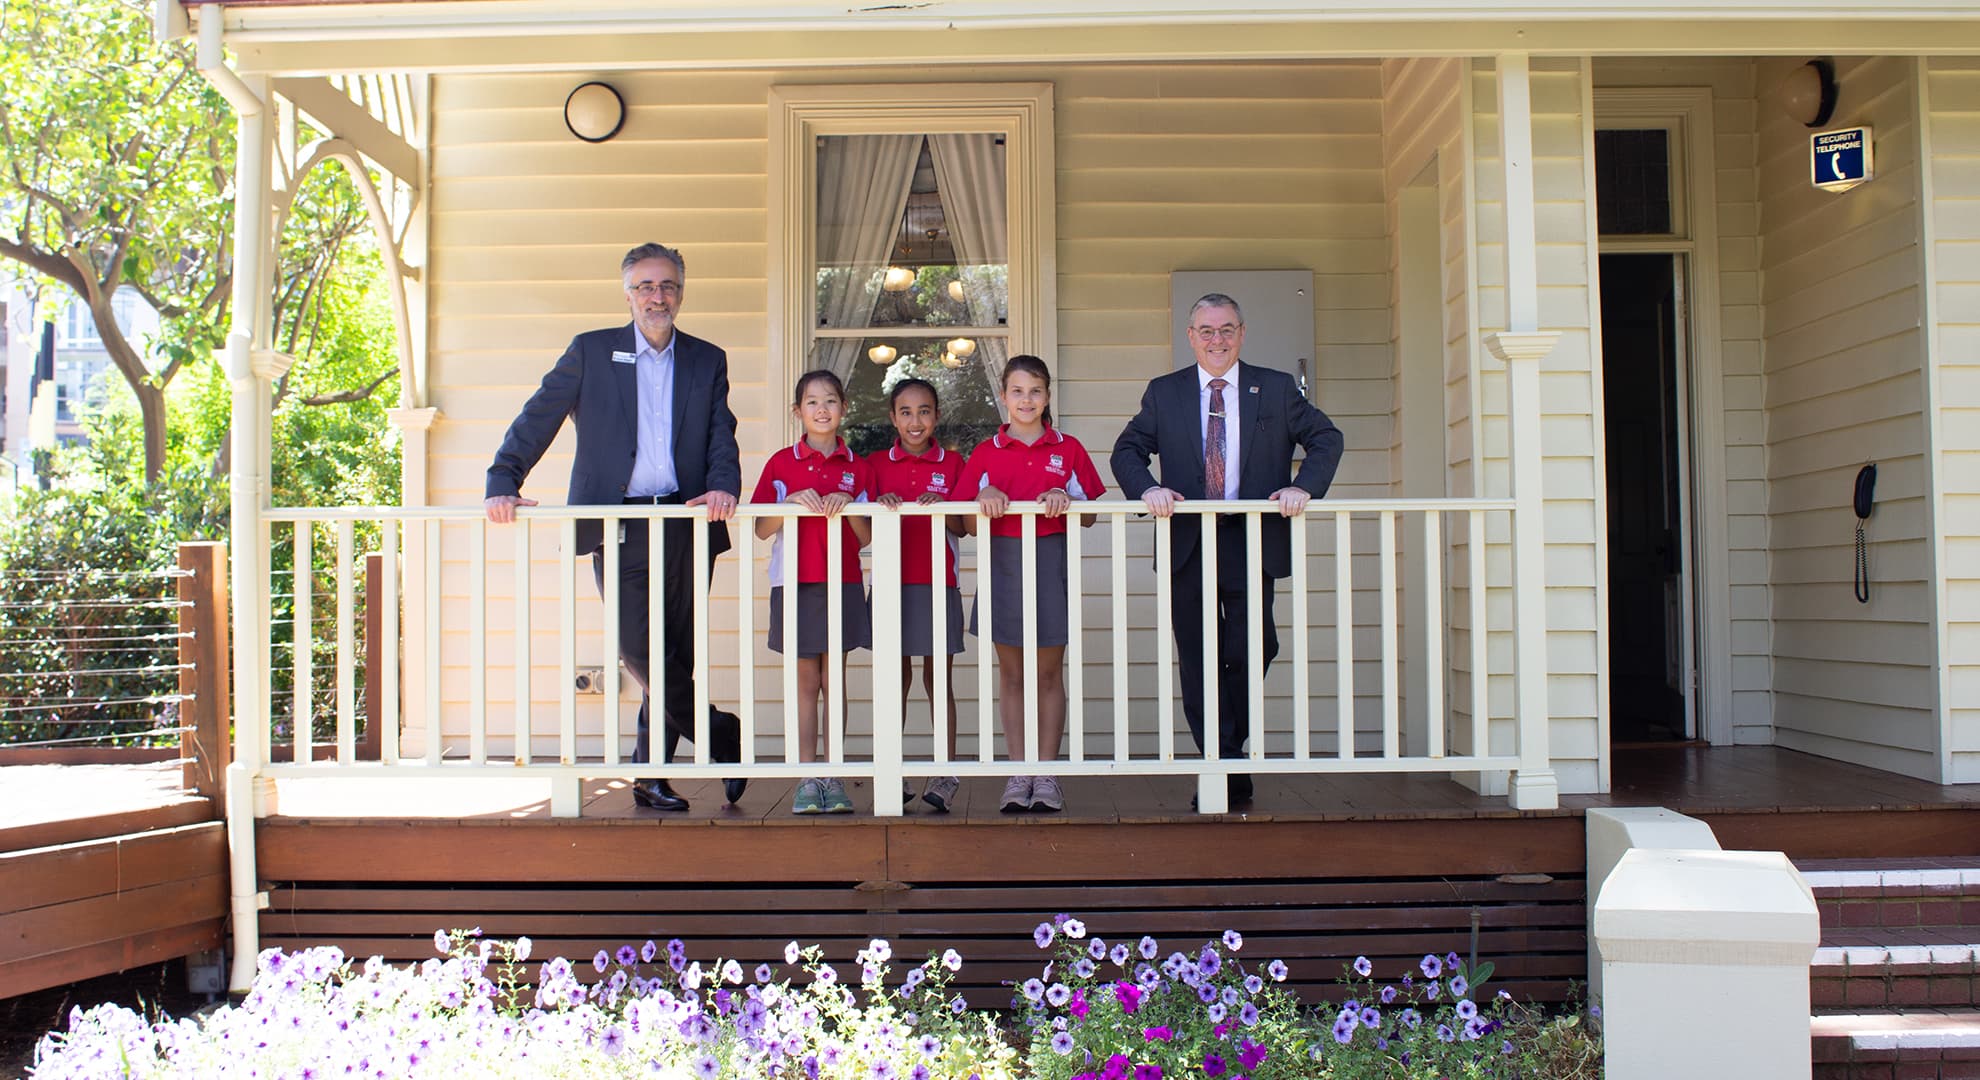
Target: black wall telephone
pixel 1866 498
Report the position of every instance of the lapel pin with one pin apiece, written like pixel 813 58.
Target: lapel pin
pixel 1253 390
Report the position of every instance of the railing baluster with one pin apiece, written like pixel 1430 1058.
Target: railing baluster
pixel 1391 689
pixel 303 713
pixel 1211 653
pixel 938 653
pixel 1165 641
pixel 477 635
pixel 567 641
pixel 834 664
pixel 431 622
pixel 1075 656
pixel 523 700
pixel 1433 624
pixel 610 723
pixel 1481 674
pixel 1028 627
pixel 986 653
pixel 698 525
pixel 346 643
pixel 1302 662
pixel 1343 634
pixel 388 645
pixel 788 573
pixel 1254 616
pixel 656 637
pixel 1119 634
pixel 745 543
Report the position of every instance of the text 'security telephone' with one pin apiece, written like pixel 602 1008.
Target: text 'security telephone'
pixel 1866 501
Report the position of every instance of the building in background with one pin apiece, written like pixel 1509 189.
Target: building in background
pixel 81 367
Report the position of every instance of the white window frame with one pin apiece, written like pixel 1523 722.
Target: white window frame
pixel 1020 112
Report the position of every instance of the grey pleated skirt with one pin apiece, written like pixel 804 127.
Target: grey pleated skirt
pixel 814 618
pixel 1007 591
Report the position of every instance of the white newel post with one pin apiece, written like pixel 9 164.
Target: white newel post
pixel 1612 833
pixel 1521 347
pixel 1705 965
pixel 889 704
pixel 421 630
pixel 245 368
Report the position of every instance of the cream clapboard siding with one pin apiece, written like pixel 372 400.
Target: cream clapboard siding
pixel 1159 168
pixel 1953 223
pixel 1570 388
pixel 1744 453
pixel 1425 103
pixel 1841 297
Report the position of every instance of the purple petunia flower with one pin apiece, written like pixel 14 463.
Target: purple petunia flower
pixel 1073 928
pixel 1248 1015
pixel 790 952
pixel 1431 966
pixel 1058 995
pixel 1388 995
pixel 1445 1034
pixel 1043 935
pixel 1250 1054
pixel 1209 962
pixel 1215 1012
pixel 1062 1044
pixel 764 973
pixel 1147 1072
pixel 952 959
pixel 1033 989
pixel 1459 987
pixel 1233 940
pixel 1148 948
pixel 1157 1034
pixel 1466 1010
pixel 1371 1018
pixel 1362 967
pixel 1129 997
pixel 1213 1065
pixel 601 961
pixel 1206 993
pixel 1277 970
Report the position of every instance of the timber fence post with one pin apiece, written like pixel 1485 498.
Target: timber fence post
pixel 207 680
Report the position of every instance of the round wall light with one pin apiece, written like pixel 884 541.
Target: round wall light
pixel 594 112
pixel 1808 94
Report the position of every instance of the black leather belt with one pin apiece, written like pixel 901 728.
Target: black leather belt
pixel 671 499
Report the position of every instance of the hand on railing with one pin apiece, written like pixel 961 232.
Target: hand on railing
pixel 501 509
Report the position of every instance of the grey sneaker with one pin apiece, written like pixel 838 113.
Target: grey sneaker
pixel 836 799
pixel 941 793
pixel 1017 795
pixel 810 797
pixel 1045 793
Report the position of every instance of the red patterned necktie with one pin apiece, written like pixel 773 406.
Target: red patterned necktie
pixel 1213 443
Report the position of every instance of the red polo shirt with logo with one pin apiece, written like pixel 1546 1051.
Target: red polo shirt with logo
pixel 1056 460
pixel 800 468
pixel 910 476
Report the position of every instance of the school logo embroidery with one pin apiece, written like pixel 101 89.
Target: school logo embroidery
pixel 847 482
pixel 938 483
pixel 1056 463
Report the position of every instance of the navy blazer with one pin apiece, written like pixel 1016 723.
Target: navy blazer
pixel 1273 417
pixel 600 396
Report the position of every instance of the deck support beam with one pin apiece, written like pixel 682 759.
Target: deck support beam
pixel 1521 347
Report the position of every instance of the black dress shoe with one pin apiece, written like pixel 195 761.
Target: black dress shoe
pixel 657 794
pixel 1240 789
pixel 734 790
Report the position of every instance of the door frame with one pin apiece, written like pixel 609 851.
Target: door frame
pixel 1705 559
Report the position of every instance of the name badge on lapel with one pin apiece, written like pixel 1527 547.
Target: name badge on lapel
pixel 623 357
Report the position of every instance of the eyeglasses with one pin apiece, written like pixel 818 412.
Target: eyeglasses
pixel 645 289
pixel 1217 333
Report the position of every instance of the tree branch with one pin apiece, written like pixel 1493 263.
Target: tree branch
pixel 344 396
pixel 54 266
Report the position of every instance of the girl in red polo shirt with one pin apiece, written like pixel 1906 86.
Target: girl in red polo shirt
pixel 1029 460
pixel 918 468
pixel 819 473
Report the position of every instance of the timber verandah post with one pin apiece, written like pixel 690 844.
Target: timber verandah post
pixel 1521 346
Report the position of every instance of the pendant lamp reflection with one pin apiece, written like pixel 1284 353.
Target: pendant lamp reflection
pixel 882 353
pixel 956 291
pixel 898 279
pixel 951 360
pixel 962 347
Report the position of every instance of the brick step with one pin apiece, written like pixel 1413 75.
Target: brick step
pixel 1896 967
pixel 1925 1044
pixel 1860 893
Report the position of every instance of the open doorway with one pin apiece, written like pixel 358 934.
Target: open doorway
pixel 1643 401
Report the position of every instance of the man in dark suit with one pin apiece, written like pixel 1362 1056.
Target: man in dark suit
pixel 651 405
pixel 1225 430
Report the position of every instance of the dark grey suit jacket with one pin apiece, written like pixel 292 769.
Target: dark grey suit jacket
pixel 1273 418
pixel 600 396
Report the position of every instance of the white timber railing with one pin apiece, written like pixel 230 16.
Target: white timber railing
pixel 1335 706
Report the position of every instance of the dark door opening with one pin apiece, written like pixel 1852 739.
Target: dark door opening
pixel 1647 669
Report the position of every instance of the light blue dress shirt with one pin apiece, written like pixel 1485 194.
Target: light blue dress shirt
pixel 653 462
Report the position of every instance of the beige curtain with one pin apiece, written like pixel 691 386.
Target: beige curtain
pixel 969 170
pixel 863 183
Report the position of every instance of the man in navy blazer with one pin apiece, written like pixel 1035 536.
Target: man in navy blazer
pixel 1226 417
pixel 651 407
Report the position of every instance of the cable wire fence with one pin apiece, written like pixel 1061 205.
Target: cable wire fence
pixel 91 657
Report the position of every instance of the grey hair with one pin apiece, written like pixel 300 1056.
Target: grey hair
pixel 650 250
pixel 1215 299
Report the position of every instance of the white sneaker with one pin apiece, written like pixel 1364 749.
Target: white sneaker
pixel 1045 793
pixel 1017 795
pixel 941 793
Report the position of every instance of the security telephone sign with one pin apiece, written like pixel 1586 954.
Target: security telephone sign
pixel 1840 160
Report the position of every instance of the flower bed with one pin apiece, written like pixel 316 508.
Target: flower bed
pixel 1097 1011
